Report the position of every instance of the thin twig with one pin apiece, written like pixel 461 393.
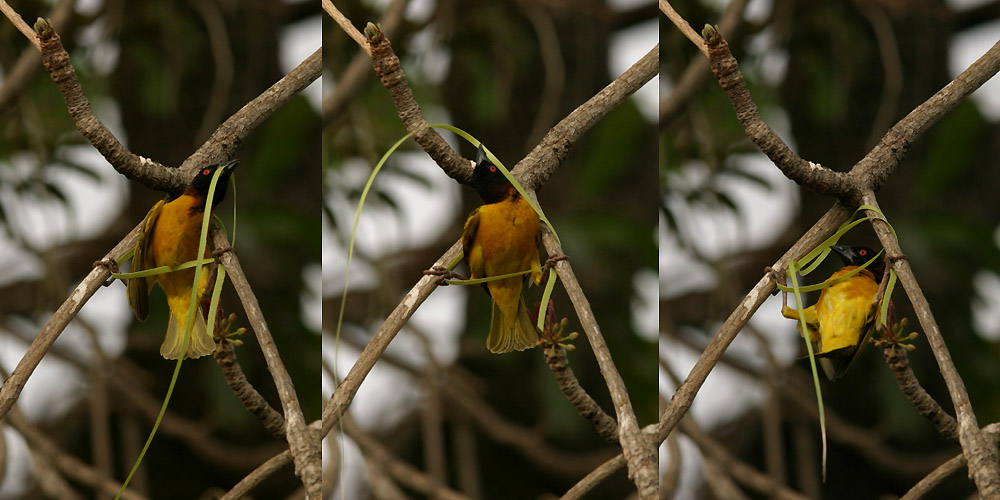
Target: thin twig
pixel 683 26
pixel 947 426
pixel 220 146
pixel 938 475
pixel 885 157
pixel 360 68
pixel 224 142
pixel 225 356
pixel 639 450
pixel 195 435
pixel 528 441
pixel 257 476
pixel 536 168
pixel 390 73
pixel 19 23
pixel 697 71
pixel 303 442
pixel 585 405
pixel 981 455
pixel 345 24
pixel 604 471
pixel 739 470
pixel 150 173
pixel 20 74
pixel 817 177
pixel 672 473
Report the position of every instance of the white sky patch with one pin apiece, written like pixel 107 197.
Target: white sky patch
pixel 960 5
pixel 91 204
pixel 968 46
pixel 362 275
pixel 427 57
pixel 388 393
pixel 417 11
pixel 645 304
pixel 108 313
pixel 768 61
pixel 986 305
pixel 626 48
pixel 353 481
pixel 690 481
pixel 312 296
pixel 680 272
pixel 54 386
pixel 423 213
pixel 100 51
pixel 15 263
pixel 727 393
pixel 758 11
pixel 762 213
pixel 623 5
pixel 441 319
pixel 20 471
pixel 88 7
pixel 299 41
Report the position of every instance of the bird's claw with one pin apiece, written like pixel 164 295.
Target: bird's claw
pixel 109 264
pixel 218 252
pixel 444 273
pixel 553 260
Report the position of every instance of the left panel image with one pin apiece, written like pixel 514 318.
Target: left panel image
pixel 160 250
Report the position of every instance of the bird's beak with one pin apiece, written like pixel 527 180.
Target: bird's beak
pixel 481 155
pixel 229 165
pixel 844 252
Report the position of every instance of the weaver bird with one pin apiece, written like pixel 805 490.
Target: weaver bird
pixel 170 237
pixel 501 237
pixel 841 322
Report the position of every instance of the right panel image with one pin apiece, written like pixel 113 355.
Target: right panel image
pixel 490 291
pixel 829 250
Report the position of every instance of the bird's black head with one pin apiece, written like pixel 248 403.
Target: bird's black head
pixel 203 180
pixel 488 181
pixel 857 256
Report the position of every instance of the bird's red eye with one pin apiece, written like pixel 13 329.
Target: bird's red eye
pixel 206 172
pixel 863 252
pixel 493 168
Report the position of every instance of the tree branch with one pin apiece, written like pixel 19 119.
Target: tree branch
pixel 895 357
pixel 937 476
pixel 585 405
pixel 687 390
pixel 225 356
pixel 302 441
pixel 639 450
pixel 13 385
pixel 980 453
pixel 344 393
pixel 814 176
pixel 535 168
pixel 358 71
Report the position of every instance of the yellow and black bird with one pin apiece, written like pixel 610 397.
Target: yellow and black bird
pixel 501 237
pixel 842 321
pixel 170 236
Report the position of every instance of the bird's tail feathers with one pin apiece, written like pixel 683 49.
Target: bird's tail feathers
pixel 201 343
pixel 511 333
